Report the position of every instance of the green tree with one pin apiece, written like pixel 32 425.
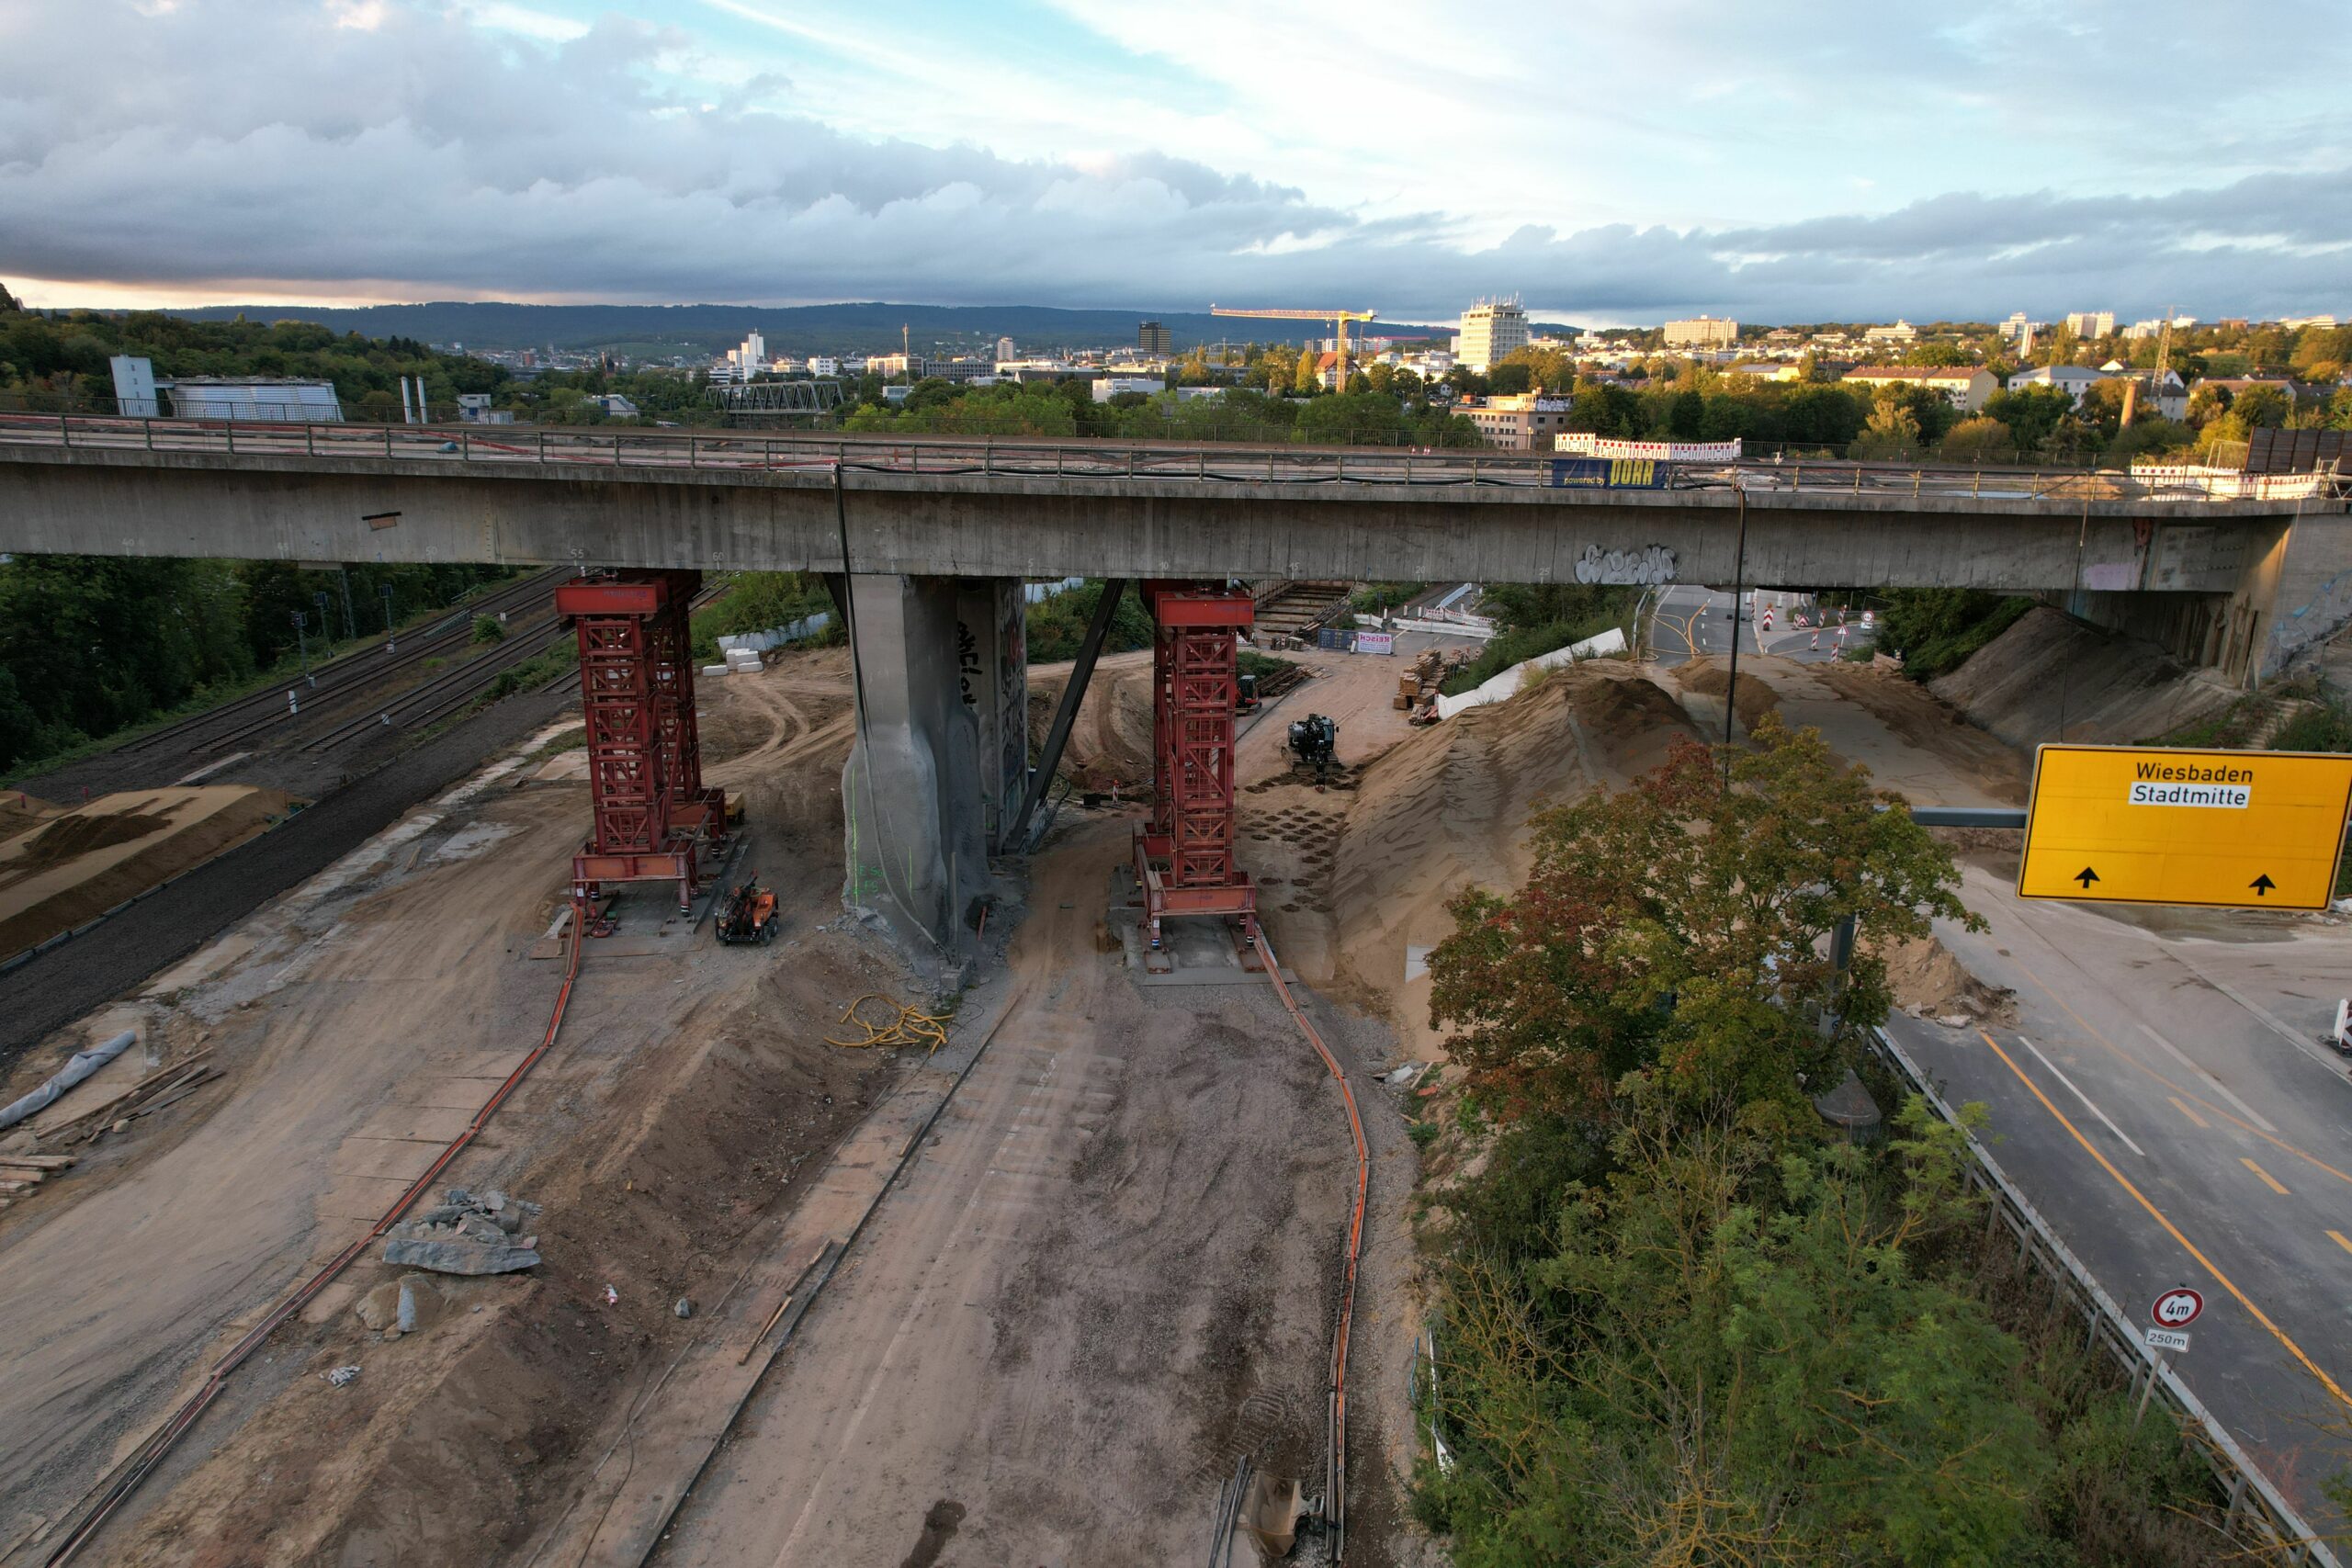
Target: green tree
pixel 2031 412
pixel 1680 927
pixel 1893 430
pixel 2262 407
pixel 1307 380
pixel 1979 440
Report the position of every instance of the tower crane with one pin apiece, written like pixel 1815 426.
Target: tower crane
pixel 1339 319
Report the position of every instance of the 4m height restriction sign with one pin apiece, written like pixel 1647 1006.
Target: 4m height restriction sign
pixel 2172 824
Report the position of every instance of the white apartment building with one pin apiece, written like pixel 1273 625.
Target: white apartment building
pixel 1108 387
pixel 1702 332
pixel 2090 323
pixel 1901 331
pixel 823 365
pixel 1492 330
pixel 2071 380
pixel 1965 387
pixel 1005 351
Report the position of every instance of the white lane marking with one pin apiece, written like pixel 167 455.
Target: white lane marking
pixel 2078 1094
pixel 2216 1084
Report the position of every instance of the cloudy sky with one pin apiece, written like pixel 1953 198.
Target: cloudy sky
pixel 1611 160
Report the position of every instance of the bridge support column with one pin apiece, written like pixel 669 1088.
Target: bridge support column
pixel 912 791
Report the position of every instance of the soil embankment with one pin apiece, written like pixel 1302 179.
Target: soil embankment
pixel 1110 744
pixel 1711 678
pixel 82 862
pixel 1356 884
pixel 2050 676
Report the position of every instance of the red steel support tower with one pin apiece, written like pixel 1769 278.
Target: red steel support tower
pixel 654 822
pixel 1183 856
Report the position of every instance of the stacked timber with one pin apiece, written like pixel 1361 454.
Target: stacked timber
pixel 157 1089
pixel 19 1174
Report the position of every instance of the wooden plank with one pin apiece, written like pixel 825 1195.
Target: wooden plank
pixel 38 1162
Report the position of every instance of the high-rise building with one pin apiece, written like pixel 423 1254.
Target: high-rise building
pixel 1153 337
pixel 2090 323
pixel 1005 351
pixel 1702 332
pixel 1492 330
pixel 750 357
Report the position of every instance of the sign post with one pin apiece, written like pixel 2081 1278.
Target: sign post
pixel 2179 825
pixel 2174 1312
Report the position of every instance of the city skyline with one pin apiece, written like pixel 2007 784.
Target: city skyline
pixel 1709 158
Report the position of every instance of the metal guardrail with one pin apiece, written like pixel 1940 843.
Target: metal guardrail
pixel 2253 1501
pixel 608 446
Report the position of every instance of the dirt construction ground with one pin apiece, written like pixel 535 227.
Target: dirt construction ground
pixel 1106 1270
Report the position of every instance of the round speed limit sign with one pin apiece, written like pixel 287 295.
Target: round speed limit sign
pixel 2177 1308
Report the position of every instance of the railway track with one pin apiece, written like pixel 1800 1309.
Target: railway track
pixel 262 714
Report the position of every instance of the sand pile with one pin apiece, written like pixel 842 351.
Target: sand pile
pixel 19 811
pixel 2106 688
pixel 82 862
pixel 1929 982
pixel 1711 679
pixel 1448 809
pixel 1111 742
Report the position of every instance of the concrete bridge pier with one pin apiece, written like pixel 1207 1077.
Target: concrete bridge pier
pixel 942 748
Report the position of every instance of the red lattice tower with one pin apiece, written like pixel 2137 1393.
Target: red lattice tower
pixel 1183 856
pixel 653 821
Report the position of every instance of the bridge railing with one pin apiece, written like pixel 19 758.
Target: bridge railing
pixel 634 447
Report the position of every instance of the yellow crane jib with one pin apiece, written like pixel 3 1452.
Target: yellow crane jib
pixel 1339 319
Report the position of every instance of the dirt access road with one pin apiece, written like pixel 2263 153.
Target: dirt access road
pixel 1112 1270
pixel 361 1021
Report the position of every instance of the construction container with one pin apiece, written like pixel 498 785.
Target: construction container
pixel 1401 703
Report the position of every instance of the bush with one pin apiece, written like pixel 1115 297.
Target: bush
pixel 489 629
pixel 2326 728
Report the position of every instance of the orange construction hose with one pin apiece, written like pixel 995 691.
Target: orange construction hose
pixel 136 1468
pixel 1336 1505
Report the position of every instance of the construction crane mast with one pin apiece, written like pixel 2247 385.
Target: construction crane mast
pixel 1339 319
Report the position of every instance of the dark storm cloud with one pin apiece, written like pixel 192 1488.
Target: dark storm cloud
pixel 265 147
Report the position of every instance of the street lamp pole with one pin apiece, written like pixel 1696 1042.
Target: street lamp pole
pixel 302 646
pixel 1738 579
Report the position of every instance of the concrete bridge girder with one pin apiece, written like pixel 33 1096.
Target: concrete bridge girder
pixel 133 503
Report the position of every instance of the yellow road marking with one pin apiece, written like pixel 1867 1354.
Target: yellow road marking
pixel 2172 1230
pixel 2339 1238
pixel 2182 1106
pixel 2131 1061
pixel 2267 1179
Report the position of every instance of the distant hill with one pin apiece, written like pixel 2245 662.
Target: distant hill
pixel 794 329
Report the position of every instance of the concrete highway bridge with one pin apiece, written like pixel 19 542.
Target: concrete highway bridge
pixel 933 537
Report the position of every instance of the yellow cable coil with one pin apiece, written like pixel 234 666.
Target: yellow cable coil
pixel 909 1028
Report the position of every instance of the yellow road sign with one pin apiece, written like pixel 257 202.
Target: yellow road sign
pixel 2174 825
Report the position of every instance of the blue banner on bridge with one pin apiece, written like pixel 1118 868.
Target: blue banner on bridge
pixel 1611 473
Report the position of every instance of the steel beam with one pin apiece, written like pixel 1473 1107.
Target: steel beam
pixel 1081 674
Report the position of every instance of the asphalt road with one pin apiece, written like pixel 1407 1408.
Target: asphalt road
pixel 1690 619
pixel 2163 1100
